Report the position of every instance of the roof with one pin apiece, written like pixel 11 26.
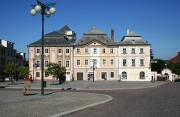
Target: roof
pixel 176 59
pixel 95 35
pixel 94 31
pixel 133 38
pixel 55 38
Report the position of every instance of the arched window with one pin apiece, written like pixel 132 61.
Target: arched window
pixel 124 75
pixel 142 75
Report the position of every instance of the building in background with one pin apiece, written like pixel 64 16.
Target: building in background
pixel 94 56
pixel 58 48
pixel 8 55
pixel 175 59
pixel 134 58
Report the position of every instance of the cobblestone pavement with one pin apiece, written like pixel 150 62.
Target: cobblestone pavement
pixel 161 101
pixel 88 85
pixel 14 104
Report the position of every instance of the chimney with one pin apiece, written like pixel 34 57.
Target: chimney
pixel 112 34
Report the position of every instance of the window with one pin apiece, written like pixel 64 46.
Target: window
pixel 103 51
pixel 38 63
pixel 60 63
pixel 59 50
pixel 133 50
pixel 86 50
pixel 112 61
pixel 111 50
pixel 37 74
pixel 86 62
pixel 67 63
pixel 124 75
pixel 124 50
pixel 95 61
pixel 46 64
pixel 112 74
pixel 67 73
pixel 46 51
pixel 141 62
pixel 67 50
pixel 124 62
pixel 37 50
pixel 142 75
pixel 95 50
pixel 141 51
pixel 78 62
pixel 133 62
pixel 78 50
pixel 104 61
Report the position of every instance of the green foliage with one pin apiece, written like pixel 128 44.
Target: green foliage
pixel 175 67
pixel 11 69
pixel 158 66
pixel 24 71
pixel 55 70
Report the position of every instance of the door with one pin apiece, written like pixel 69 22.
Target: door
pixel 80 76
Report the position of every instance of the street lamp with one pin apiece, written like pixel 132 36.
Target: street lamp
pixel 93 67
pixel 45 9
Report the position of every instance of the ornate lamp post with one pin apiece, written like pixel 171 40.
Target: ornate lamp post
pixel 45 9
pixel 93 67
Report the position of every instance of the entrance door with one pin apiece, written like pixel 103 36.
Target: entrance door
pixel 104 75
pixel 90 76
pixel 80 76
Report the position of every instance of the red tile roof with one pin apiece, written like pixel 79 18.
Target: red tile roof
pixel 176 59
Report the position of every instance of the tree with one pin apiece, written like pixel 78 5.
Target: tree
pixel 158 66
pixel 56 71
pixel 10 70
pixel 24 71
pixel 175 67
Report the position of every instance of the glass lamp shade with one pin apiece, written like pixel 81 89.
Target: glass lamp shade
pixel 33 12
pixel 48 14
pixel 37 8
pixel 52 10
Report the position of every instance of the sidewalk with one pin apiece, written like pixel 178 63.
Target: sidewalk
pixel 53 104
pixel 87 85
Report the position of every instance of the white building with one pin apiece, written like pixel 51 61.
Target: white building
pixel 134 58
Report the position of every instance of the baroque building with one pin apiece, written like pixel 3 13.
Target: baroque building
pixel 93 57
pixel 58 48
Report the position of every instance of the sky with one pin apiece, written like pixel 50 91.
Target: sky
pixel 158 21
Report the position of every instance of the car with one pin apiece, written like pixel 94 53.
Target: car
pixel 177 80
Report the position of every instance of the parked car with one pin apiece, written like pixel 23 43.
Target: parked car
pixel 177 80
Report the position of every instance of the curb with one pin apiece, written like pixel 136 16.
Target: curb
pixel 84 107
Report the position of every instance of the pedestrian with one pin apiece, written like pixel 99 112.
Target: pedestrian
pixel 27 85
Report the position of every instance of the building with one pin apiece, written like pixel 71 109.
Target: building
pixel 8 55
pixel 134 58
pixel 58 48
pixel 93 57
pixel 175 59
pixel 96 56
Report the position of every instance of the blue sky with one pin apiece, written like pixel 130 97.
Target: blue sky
pixel 158 21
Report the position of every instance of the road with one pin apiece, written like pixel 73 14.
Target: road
pixel 161 101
